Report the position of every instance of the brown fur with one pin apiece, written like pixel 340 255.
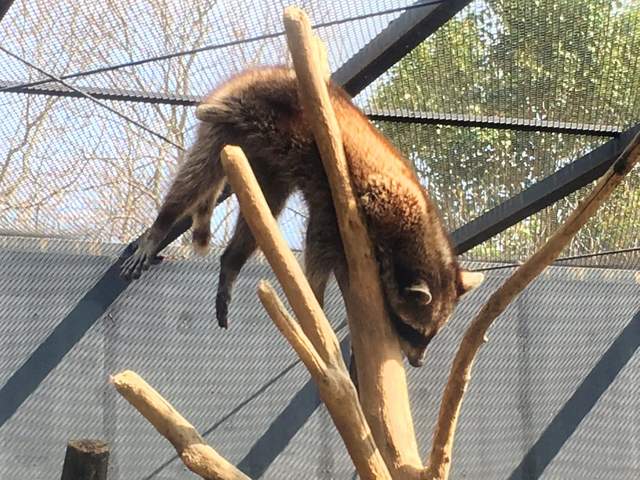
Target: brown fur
pixel 259 111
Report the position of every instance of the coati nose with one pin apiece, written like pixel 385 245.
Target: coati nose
pixel 416 352
pixel 417 362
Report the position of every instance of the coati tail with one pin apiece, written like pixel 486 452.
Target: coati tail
pixel 206 151
pixel 201 235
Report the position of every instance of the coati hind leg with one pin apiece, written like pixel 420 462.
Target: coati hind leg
pixel 201 230
pixel 241 247
pixel 238 251
pixel 200 177
pixel 324 255
pixel 323 248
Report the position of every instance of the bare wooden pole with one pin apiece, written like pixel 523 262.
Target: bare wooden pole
pixel 381 375
pixel 199 457
pixel 322 356
pixel 440 456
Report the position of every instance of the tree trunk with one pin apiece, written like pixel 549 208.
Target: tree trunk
pixel 86 460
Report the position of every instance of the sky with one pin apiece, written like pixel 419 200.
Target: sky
pixel 71 36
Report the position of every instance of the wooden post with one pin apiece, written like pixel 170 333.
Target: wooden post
pixel 86 460
pixel 381 375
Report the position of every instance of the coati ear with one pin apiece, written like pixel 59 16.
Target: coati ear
pixel 467 281
pixel 420 292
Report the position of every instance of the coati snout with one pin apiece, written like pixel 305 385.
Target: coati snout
pixel 421 302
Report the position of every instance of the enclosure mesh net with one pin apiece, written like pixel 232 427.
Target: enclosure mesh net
pixel 72 169
pixel 552 382
pixel 557 376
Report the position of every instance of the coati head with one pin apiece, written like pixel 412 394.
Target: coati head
pixel 421 297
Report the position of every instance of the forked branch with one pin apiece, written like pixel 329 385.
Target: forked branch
pixel 440 457
pixel 199 457
pixel 321 356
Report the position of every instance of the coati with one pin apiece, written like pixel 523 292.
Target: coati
pixel 259 110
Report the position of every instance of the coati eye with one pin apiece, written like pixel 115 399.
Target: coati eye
pixel 405 276
pixel 420 292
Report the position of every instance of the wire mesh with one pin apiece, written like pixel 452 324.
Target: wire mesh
pixel 471 170
pixel 71 169
pixel 572 332
pixel 109 175
pixel 613 228
pixel 142 30
pixel 559 61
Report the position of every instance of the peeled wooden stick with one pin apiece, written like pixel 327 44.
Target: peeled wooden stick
pixel 381 375
pixel 319 355
pixel 323 59
pixel 291 330
pixel 199 457
pixel 264 227
pixel 440 457
pixel 335 386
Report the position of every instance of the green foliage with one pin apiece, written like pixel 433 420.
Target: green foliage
pixel 567 61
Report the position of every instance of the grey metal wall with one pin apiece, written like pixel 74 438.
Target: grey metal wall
pixel 555 393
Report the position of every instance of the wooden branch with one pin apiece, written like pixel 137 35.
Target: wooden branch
pixel 199 457
pixel 292 331
pixel 440 457
pixel 86 460
pixel 335 387
pixel 264 227
pixel 322 57
pixel 381 375
pixel 322 355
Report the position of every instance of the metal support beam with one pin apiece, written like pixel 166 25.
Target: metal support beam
pixel 500 123
pixel 5 5
pixel 53 89
pixel 421 118
pixel 565 181
pixel 401 36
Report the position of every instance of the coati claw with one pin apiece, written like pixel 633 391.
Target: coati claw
pixel 222 309
pixel 140 260
pixel 157 260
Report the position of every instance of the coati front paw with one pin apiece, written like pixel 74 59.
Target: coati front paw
pixel 133 266
pixel 140 260
pixel 222 308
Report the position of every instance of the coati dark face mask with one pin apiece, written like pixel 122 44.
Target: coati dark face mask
pixel 417 311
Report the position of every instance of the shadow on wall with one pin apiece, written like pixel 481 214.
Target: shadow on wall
pixel 580 404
